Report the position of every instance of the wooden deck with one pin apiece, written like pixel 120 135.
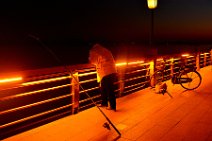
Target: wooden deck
pixel 141 116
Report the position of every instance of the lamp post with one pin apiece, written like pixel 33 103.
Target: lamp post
pixel 152 4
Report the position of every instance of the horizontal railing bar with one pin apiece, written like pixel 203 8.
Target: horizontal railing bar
pixel 89 104
pixel 134 89
pixel 87 90
pixel 89 98
pixel 136 84
pixel 86 69
pixel 36 82
pixel 34 92
pixel 86 74
pixel 117 90
pixel 34 104
pixel 190 64
pixel 86 81
pixel 134 78
pixel 47 76
pixel 34 116
pixel 45 81
pixel 132 65
pixel 176 59
pixel 137 71
pixel 136 65
pixel 167 75
pixel 165 70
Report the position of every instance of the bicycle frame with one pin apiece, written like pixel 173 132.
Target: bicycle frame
pixel 186 76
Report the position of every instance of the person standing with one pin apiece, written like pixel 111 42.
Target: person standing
pixel 104 62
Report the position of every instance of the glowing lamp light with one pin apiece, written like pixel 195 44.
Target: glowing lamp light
pixel 152 4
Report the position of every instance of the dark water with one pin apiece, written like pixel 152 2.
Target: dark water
pixel 15 58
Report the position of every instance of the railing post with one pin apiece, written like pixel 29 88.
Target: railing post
pixel 172 67
pixel 205 59
pixel 198 61
pixel 185 59
pixel 121 81
pixel 75 92
pixel 211 55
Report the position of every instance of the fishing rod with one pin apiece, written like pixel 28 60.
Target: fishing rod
pixel 105 125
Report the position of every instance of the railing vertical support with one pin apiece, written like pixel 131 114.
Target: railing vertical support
pixel 121 81
pixel 185 60
pixel 205 59
pixel 211 56
pixel 75 92
pixel 172 67
pixel 198 61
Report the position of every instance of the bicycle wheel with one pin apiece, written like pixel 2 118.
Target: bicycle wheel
pixel 190 80
pixel 156 78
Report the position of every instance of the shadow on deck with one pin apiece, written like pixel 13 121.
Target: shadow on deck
pixel 141 116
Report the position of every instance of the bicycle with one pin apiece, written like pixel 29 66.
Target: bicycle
pixel 187 77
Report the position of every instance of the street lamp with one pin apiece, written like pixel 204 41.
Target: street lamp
pixel 152 4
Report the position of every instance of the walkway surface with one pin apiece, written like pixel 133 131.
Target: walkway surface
pixel 141 116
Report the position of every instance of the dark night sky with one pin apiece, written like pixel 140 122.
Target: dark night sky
pixel 67 25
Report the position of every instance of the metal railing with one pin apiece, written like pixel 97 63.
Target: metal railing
pixel 44 95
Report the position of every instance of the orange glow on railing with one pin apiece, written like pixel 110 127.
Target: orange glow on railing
pixel 171 59
pixel 191 56
pixel 35 92
pixel 8 80
pixel 45 80
pixel 87 73
pixel 121 64
pixel 129 63
pixel 204 53
pixel 136 62
pixel 185 55
pixel 159 59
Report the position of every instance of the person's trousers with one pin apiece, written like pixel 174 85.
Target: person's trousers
pixel 108 90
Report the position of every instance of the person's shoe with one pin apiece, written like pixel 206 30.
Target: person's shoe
pixel 109 108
